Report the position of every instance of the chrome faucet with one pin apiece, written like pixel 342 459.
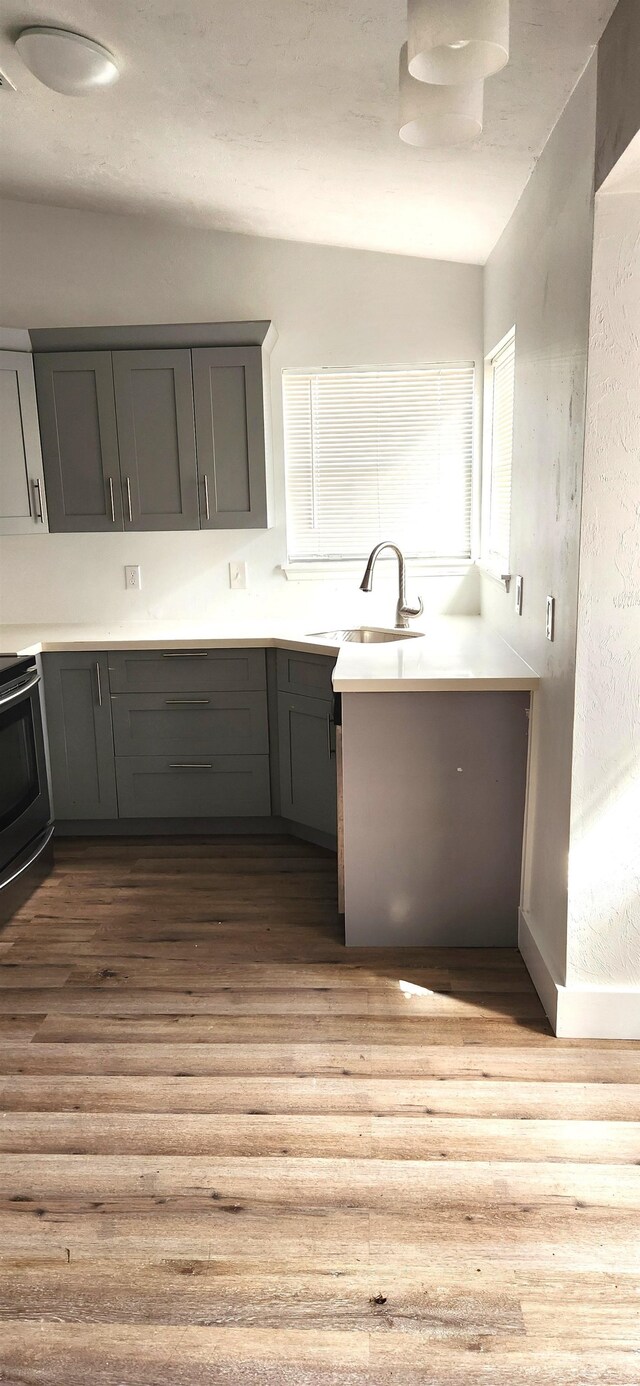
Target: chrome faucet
pixel 403 612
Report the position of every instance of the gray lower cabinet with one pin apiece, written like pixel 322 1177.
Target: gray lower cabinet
pixel 76 405
pixel 183 671
pixel 173 734
pixel 80 735
pixel 156 439
pixel 228 393
pixel 306 738
pixel 188 786
pixel 22 497
pixel 193 723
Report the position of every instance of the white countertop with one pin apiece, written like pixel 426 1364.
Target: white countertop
pixel 455 653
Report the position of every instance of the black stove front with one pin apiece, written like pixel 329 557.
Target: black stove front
pixel 25 813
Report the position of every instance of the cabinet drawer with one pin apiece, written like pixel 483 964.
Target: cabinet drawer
pixel 193 723
pixel 309 674
pixel 190 787
pixel 186 671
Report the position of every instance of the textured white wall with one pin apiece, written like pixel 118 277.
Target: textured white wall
pixel 331 307
pixel 604 877
pixel 538 277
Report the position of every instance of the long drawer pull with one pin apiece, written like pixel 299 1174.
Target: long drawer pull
pixel 187 702
pixel 189 765
pixel 38 497
pixel 184 654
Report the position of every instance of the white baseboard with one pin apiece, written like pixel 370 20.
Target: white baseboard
pixel 579 1012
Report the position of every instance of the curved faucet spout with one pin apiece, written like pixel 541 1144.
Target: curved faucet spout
pixel 403 611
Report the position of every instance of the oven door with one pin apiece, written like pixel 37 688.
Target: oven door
pixel 24 794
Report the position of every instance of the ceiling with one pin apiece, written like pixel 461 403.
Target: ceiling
pixel 278 118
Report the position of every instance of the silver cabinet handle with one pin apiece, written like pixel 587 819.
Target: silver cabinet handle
pixel 329 746
pixel 37 494
pixel 111 504
pixel 206 497
pixel 127 483
pixel 99 684
pixel 189 765
pixel 184 654
pixel 187 702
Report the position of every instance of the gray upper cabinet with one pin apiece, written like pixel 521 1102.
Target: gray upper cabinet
pixel 153 432
pixel 230 430
pixel 22 498
pixel 154 410
pixel 80 735
pixel 79 440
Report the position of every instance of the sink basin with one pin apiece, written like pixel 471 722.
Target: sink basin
pixel 364 635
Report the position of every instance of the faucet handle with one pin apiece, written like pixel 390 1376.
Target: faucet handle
pixel 415 610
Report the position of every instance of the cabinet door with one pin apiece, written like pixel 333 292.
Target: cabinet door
pixel 154 409
pixel 79 440
pixel 80 736
pixel 307 762
pixel 229 405
pixel 22 503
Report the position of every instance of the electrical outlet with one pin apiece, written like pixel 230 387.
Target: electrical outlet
pixel 132 579
pixel 519 596
pixel 551 618
pixel 238 576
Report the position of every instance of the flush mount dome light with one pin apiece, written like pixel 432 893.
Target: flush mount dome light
pixel 66 62
pixel 431 116
pixel 453 41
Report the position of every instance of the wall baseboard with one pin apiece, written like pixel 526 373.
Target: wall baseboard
pixel 579 1012
pixel 192 827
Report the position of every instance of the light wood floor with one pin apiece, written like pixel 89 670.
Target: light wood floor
pixel 234 1152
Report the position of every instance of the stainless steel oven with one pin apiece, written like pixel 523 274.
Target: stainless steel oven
pixel 25 812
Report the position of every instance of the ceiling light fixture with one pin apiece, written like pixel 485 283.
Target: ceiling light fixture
pixel 431 116
pixel 66 62
pixel 454 41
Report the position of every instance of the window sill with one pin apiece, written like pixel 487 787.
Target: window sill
pixel 495 574
pixel 348 570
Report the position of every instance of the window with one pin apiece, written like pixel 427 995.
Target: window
pixel 499 399
pixel 379 454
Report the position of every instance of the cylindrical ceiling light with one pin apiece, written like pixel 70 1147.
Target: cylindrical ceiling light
pixel 453 41
pixel 434 115
pixel 66 62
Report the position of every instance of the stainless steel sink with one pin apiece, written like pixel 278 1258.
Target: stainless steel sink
pixel 364 635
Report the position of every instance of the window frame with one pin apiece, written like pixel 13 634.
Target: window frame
pixel 494 564
pixel 312 569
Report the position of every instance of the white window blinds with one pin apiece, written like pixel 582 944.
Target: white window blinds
pixel 500 403
pixel 379 454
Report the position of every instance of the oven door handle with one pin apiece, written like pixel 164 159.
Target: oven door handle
pixel 13 873
pixel 19 692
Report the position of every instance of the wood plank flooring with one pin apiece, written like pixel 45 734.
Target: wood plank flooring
pixel 233 1152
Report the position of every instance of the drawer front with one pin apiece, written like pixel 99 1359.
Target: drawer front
pixel 186 671
pixel 190 787
pixel 193 723
pixel 308 674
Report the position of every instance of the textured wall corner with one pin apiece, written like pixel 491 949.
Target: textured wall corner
pixel 604 877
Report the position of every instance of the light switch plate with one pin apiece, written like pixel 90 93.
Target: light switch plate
pixel 132 578
pixel 551 618
pixel 237 576
pixel 519 595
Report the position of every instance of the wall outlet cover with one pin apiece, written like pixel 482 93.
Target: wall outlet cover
pixel 519 595
pixel 551 618
pixel 132 577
